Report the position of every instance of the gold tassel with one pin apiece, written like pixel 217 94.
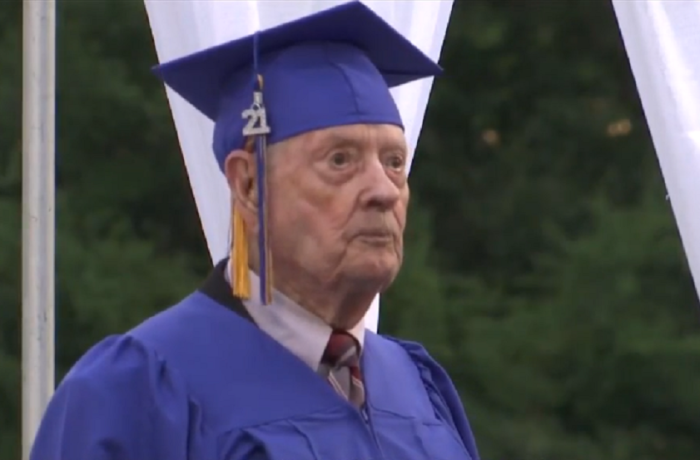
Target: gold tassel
pixel 239 256
pixel 239 248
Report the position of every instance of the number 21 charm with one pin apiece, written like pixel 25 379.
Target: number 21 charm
pixel 256 116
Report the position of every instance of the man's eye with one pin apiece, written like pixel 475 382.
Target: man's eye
pixel 340 159
pixel 396 162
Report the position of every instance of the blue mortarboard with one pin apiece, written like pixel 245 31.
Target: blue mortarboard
pixel 328 69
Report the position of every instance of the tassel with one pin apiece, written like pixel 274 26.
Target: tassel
pixel 240 278
pixel 265 253
pixel 256 132
pixel 263 233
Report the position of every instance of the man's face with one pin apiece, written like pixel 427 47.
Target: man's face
pixel 338 200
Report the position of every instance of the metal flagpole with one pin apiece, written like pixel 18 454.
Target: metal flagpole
pixel 38 214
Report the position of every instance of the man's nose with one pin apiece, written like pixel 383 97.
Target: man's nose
pixel 380 190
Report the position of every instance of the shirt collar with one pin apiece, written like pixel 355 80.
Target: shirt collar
pixel 300 331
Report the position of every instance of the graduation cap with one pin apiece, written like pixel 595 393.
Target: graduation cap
pixel 331 68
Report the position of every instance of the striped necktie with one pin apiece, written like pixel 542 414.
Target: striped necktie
pixel 343 353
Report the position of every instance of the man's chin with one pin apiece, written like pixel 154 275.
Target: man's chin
pixel 378 272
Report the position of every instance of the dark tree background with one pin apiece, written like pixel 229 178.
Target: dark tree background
pixel 543 268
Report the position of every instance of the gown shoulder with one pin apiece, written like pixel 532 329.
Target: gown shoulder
pixel 441 392
pixel 119 401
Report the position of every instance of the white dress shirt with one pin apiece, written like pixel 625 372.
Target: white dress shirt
pixel 300 331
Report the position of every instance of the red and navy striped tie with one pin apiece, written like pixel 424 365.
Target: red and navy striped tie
pixel 343 352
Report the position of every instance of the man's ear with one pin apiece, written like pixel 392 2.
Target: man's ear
pixel 239 169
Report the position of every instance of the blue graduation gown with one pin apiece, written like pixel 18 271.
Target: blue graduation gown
pixel 202 382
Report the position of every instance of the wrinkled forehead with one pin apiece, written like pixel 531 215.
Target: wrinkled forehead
pixel 362 136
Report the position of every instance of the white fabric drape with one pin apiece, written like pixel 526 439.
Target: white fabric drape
pixel 662 39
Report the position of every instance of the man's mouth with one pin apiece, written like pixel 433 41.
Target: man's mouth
pixel 377 237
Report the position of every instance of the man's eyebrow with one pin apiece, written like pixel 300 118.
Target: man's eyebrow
pixel 327 141
pixel 332 141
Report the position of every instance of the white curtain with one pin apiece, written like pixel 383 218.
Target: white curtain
pixel 662 39
pixel 181 27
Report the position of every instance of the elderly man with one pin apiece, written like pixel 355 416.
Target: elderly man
pixel 239 370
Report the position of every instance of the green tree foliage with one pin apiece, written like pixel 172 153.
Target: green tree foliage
pixel 543 267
